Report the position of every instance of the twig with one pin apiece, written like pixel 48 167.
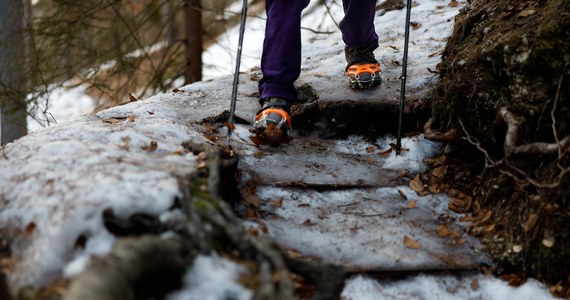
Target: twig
pixel 489 162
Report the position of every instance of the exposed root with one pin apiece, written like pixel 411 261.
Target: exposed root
pixel 511 138
pixel 434 135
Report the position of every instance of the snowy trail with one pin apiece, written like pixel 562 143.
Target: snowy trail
pixel 339 200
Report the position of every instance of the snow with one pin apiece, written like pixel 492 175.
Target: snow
pixel 57 181
pixel 441 287
pixel 213 278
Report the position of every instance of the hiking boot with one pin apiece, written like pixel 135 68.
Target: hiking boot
pixel 273 122
pixel 362 68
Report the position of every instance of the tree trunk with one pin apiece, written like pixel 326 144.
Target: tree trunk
pixel 194 33
pixel 12 46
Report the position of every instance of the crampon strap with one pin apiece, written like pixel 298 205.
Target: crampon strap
pixel 356 70
pixel 262 116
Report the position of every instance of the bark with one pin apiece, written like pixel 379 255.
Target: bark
pixel 194 42
pixel 12 98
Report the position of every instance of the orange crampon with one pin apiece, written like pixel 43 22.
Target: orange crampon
pixel 364 76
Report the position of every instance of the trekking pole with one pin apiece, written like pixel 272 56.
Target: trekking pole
pixel 403 77
pixel 236 73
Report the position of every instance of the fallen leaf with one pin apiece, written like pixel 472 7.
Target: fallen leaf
pixel 417 185
pixel 474 284
pixel 132 98
pixel 411 204
pixel 111 120
pixel 530 222
pixel 453 3
pixel 415 25
pixel 527 12
pixel 354 228
pixel 259 154
pixel 278 203
pixel 459 242
pixel 30 228
pixel 252 200
pixel 176 91
pixel 126 143
pixel 386 152
pixel 411 243
pixel 370 160
pixel 263 226
pixel 459 205
pixel 370 149
pixel 402 194
pixel 434 188
pixel 308 223
pixel 230 126
pixel 130 118
pixel 442 230
pixel 439 171
pixel 513 279
pixel 151 147
pixel 251 213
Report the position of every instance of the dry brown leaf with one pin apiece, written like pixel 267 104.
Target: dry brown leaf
pixel 459 242
pixel 411 204
pixel 442 230
pixel 453 3
pixel 252 200
pixel 527 12
pixel 370 149
pixel 132 98
pixel 259 154
pixel 386 152
pixel 151 147
pixel 308 222
pixel 111 120
pixel 278 203
pixel 411 243
pixel 402 194
pixel 434 188
pixel 263 226
pixel 439 171
pixel 126 143
pixel 370 160
pixel 230 126
pixel 417 185
pixel 454 234
pixel 474 284
pixel 251 213
pixel 530 222
pixel 30 228
pixel 415 25
pixel 513 279
pixel 459 205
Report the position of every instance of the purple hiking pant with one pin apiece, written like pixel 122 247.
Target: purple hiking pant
pixel 281 57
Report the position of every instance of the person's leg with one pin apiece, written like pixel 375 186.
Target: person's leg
pixel 281 57
pixel 360 38
pixel 357 26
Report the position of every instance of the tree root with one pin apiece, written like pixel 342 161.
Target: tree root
pixel 434 135
pixel 511 138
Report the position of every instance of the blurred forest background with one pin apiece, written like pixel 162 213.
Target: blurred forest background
pixel 120 49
